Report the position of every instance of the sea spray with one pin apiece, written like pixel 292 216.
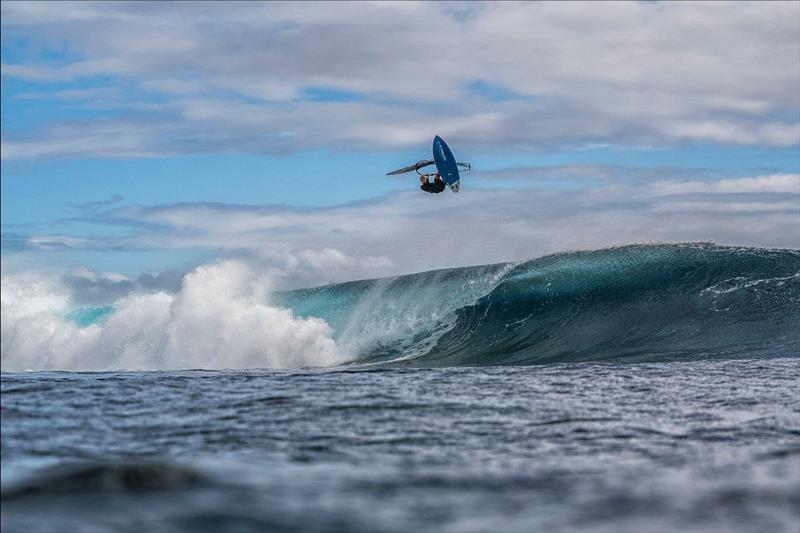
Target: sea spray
pixel 220 318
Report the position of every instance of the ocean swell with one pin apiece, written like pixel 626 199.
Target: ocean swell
pixel 632 303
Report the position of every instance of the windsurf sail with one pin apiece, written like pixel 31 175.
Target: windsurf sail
pixel 416 166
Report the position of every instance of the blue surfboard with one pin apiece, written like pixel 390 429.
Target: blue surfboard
pixel 446 164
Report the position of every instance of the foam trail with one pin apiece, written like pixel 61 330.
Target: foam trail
pixel 218 319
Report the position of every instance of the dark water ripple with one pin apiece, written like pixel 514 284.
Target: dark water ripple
pixel 696 446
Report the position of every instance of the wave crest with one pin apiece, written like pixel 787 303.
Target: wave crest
pixel 637 303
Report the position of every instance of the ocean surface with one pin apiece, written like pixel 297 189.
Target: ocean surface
pixel 642 388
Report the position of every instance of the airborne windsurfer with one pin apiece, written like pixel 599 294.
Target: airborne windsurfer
pixel 446 169
pixel 436 187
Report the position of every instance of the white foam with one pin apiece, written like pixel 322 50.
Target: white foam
pixel 219 319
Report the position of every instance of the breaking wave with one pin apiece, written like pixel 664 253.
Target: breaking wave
pixel 632 303
pixel 220 318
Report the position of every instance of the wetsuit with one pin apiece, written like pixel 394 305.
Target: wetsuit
pixel 436 186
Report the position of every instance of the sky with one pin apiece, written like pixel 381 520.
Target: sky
pixel 141 140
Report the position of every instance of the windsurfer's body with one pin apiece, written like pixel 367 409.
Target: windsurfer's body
pixel 436 187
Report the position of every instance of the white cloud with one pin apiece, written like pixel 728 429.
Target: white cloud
pixel 49 242
pixel 73 94
pixel 774 183
pixel 621 72
pixel 412 231
pixel 109 138
pixel 87 274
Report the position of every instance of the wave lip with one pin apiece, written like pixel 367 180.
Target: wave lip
pixel 631 303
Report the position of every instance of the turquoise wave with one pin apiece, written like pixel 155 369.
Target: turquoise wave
pixel 86 316
pixel 632 303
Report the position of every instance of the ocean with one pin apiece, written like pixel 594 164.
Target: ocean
pixel 641 388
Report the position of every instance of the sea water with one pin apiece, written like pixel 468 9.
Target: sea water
pixel 679 446
pixel 642 388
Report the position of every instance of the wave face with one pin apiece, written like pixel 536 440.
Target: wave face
pixel 633 303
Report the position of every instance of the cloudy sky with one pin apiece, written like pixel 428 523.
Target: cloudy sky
pixel 140 140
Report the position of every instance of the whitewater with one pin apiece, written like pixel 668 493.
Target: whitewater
pixel 636 388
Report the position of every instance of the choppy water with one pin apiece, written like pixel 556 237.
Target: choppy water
pixel 708 445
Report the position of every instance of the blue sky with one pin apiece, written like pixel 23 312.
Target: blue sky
pixel 143 137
